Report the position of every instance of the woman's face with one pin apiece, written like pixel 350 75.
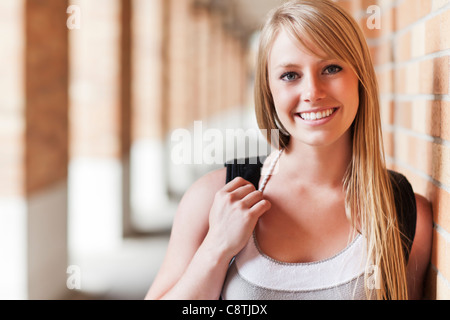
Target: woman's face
pixel 316 99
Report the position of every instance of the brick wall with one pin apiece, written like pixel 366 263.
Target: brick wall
pixel 411 51
pixel 33 103
pixel 187 64
pixel 207 55
pixel 46 82
pixel 95 72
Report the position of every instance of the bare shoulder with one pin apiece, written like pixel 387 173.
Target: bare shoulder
pixel 424 229
pixel 193 210
pixel 189 229
pixel 206 186
pixel 424 223
pixel 421 248
pixel 423 207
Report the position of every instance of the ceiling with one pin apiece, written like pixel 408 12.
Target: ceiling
pixel 251 14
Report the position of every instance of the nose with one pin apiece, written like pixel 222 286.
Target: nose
pixel 313 89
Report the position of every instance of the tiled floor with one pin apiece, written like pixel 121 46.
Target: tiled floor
pixel 124 275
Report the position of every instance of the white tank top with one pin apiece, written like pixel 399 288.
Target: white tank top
pixel 252 275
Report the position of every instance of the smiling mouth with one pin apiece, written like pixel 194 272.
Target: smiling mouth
pixel 314 116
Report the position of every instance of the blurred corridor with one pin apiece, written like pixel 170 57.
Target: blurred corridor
pixel 96 94
pixel 110 109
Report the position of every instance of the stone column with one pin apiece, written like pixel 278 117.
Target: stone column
pixel 34 108
pixel 151 77
pixel 97 125
pixel 179 63
pixel 125 112
pixel 203 30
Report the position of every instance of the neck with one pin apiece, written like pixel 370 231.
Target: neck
pixel 324 165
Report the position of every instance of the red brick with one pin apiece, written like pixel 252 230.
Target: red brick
pixel 418 38
pixel 440 75
pixel 440 201
pixel 149 89
pixel 442 116
pixel 387 21
pixel 440 256
pixel 433 35
pixel 436 287
pixel 385 81
pixel 387 111
pixel 440 169
pixel 405 111
pixel 425 77
pixel 403 48
pixel 445 26
pixel 46 110
pixel 405 14
pixel 95 80
pixel 388 143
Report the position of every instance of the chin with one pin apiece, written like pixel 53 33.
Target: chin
pixel 320 140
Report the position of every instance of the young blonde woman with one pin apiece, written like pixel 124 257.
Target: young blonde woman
pixel 333 222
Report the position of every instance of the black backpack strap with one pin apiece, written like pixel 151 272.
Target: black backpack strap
pixel 405 203
pixel 248 168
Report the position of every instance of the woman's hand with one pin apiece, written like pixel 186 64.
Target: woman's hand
pixel 213 223
pixel 233 216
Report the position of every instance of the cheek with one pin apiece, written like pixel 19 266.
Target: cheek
pixel 348 92
pixel 283 98
pixel 277 97
pixel 283 106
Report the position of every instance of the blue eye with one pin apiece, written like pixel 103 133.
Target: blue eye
pixel 333 69
pixel 289 76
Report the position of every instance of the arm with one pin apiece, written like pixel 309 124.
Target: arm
pixel 201 244
pixel 421 249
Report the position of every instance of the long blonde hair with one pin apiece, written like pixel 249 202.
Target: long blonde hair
pixel 369 196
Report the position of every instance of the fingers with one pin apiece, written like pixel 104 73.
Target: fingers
pixel 259 208
pixel 243 192
pixel 252 198
pixel 237 206
pixel 237 189
pixel 235 183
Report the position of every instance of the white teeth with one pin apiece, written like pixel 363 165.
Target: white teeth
pixel 317 115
